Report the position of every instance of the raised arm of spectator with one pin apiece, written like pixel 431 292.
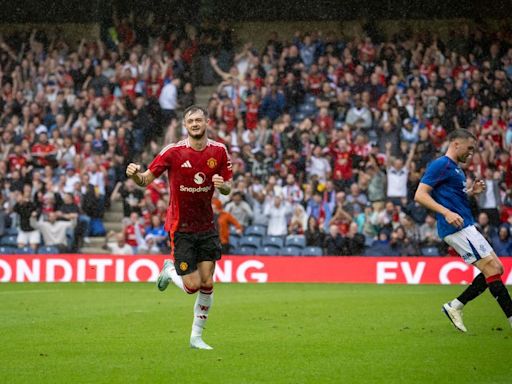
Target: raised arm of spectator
pixel 340 214
pixel 245 51
pixel 115 193
pixel 217 69
pixel 101 48
pixel 388 162
pixel 248 209
pixel 7 49
pixel 410 156
pixel 32 39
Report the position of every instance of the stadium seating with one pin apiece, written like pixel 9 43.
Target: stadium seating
pixel 9 240
pixel 267 251
pixel 312 251
pixel 296 241
pixel 246 251
pixel 273 241
pixel 300 116
pixel 307 109
pixel 25 251
pixel 290 251
pixel 6 250
pixel 250 241
pixel 48 249
pixel 430 251
pixel 255 230
pixel 234 241
pixel 13 231
pixel 310 99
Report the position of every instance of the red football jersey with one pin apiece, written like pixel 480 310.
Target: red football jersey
pixel 191 188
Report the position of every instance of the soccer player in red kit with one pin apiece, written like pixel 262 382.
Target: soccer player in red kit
pixel 195 166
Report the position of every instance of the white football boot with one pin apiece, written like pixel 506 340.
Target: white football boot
pixel 196 342
pixel 455 316
pixel 164 277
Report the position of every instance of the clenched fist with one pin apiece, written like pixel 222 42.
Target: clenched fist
pixel 132 169
pixel 218 181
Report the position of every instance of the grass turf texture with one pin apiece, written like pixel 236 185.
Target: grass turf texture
pixel 273 333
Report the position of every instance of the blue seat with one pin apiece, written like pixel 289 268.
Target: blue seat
pixel 25 251
pixel 312 251
pixel 296 241
pixel 308 109
pixel 310 99
pixel 233 232
pixel 255 230
pixel 245 251
pixel 273 241
pixel 9 240
pixel 267 251
pixel 48 249
pixel 234 241
pixel 299 117
pixel 250 241
pixel 290 251
pixel 13 231
pixel 430 251
pixel 6 250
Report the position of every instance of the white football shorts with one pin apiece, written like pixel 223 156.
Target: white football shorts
pixel 469 244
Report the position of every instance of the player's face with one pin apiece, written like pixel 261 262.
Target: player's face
pixel 195 123
pixel 465 149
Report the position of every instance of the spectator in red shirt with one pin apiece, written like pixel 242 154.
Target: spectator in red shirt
pixel 324 120
pixel 43 152
pixel 127 84
pixel 252 110
pixel 495 128
pixel 342 156
pixel 17 159
pixel 134 233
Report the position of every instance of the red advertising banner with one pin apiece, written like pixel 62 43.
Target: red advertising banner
pixel 246 269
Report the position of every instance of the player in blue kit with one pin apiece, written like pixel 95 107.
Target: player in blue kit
pixel 443 190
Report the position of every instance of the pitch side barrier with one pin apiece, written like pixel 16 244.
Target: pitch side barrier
pixel 245 269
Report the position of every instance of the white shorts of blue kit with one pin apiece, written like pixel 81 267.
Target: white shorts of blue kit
pixel 469 244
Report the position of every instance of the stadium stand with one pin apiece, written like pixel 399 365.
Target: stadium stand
pixel 245 251
pixel 266 251
pixel 48 250
pixel 354 119
pixel 296 241
pixel 312 251
pixel 250 241
pixel 5 250
pixel 290 251
pixel 272 241
pixel 255 230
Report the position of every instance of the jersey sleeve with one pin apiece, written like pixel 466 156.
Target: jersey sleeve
pixel 226 166
pixel 436 173
pixel 161 163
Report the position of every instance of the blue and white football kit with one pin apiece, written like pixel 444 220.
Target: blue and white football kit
pixel 448 183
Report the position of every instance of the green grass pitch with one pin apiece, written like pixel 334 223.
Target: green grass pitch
pixel 273 333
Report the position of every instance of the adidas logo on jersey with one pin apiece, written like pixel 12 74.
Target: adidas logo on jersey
pixel 186 164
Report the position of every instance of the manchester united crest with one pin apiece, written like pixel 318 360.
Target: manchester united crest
pixel 212 163
pixel 183 266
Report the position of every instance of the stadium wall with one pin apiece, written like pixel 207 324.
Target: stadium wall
pixel 259 31
pixel 245 269
pixel 72 32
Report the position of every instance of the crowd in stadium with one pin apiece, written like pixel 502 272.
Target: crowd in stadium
pixel 329 135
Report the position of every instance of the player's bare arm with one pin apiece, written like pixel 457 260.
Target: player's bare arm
pixel 224 187
pixel 423 197
pixel 142 179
